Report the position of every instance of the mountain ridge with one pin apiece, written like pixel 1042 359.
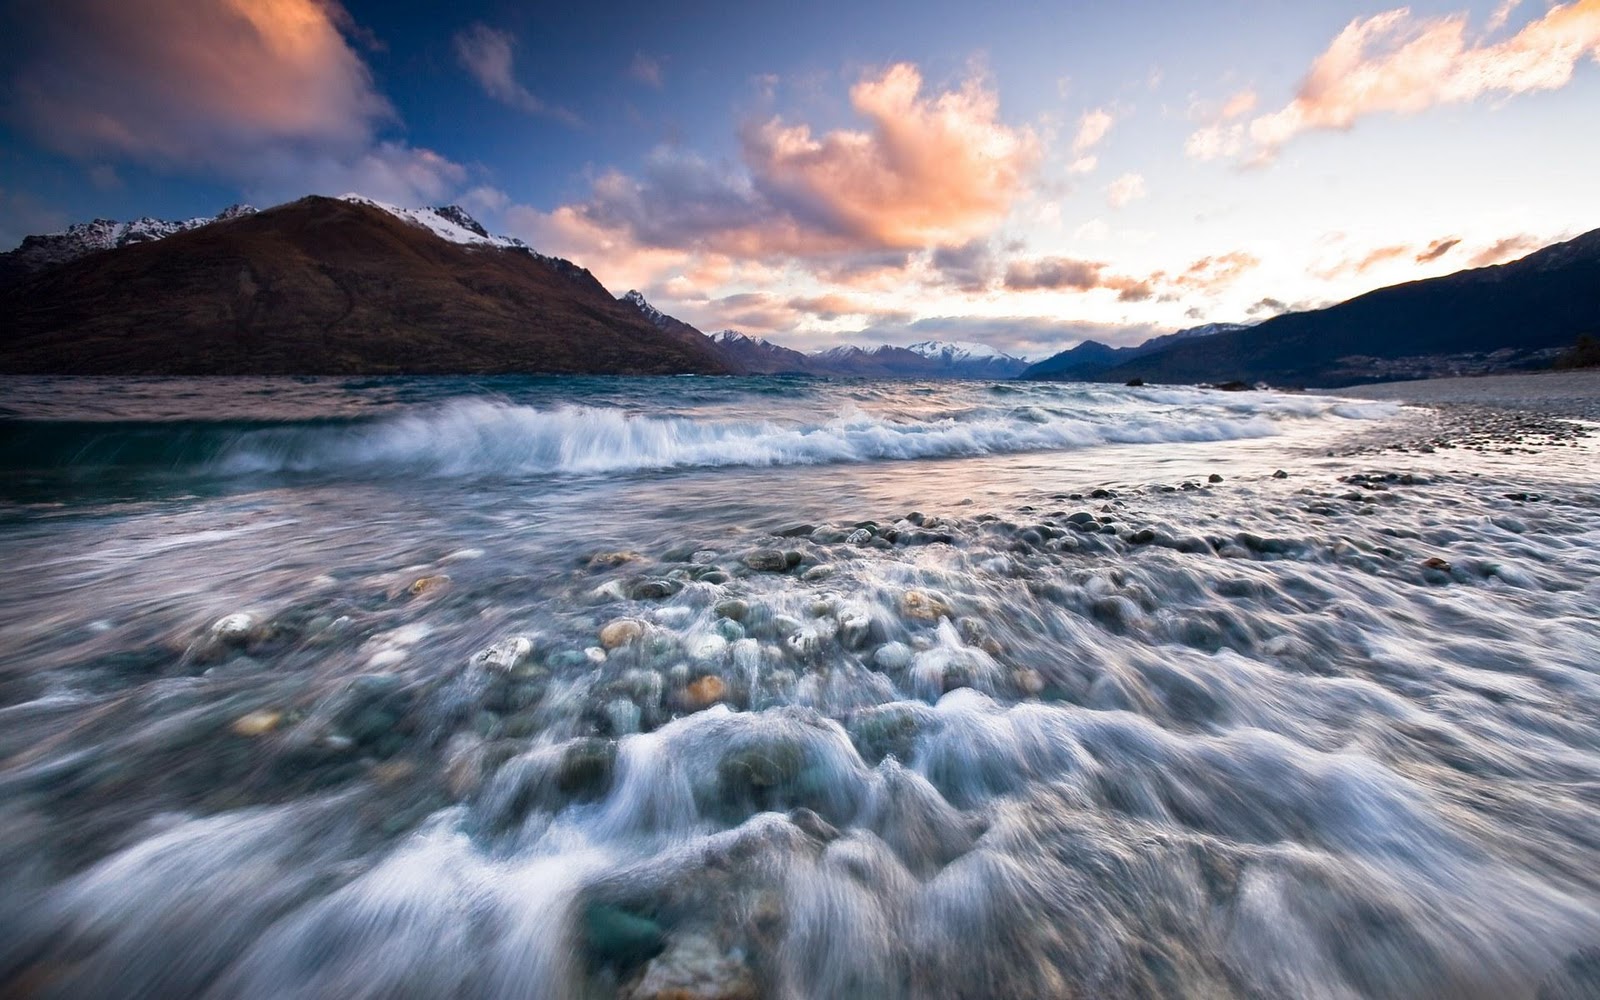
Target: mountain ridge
pixel 330 286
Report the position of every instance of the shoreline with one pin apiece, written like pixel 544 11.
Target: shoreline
pixel 1570 394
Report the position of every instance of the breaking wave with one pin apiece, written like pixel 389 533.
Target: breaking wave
pixel 485 437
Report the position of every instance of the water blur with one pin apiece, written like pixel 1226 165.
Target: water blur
pixel 787 688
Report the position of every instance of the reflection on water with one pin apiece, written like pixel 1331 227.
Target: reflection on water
pixel 742 687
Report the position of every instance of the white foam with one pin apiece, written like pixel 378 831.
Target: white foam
pixel 482 437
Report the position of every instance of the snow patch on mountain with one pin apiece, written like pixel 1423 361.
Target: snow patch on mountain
pixel 729 337
pixel 448 222
pixel 36 253
pixel 958 351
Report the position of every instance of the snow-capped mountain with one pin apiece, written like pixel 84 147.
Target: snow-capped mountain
pixel 635 298
pixel 969 359
pixel 328 286
pixel 955 350
pixel 928 359
pixel 37 253
pixel 448 222
pixel 49 249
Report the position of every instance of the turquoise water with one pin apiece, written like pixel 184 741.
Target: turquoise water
pixel 785 687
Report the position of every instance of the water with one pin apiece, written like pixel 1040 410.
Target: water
pixel 787 688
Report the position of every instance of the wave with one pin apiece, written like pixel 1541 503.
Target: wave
pixel 487 437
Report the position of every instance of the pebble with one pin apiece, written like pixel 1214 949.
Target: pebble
pixel 766 561
pixel 257 723
pixel 621 632
pixel 709 648
pixel 235 629
pixel 705 692
pixel 860 536
pixel 892 656
pixel 1213 478
pixel 425 585
pixel 623 716
pixel 505 655
pixel 923 606
pixel 818 573
pixel 732 608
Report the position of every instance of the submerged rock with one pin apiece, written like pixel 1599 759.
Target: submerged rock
pixel 620 939
pixel 620 632
pixel 922 605
pixel 705 691
pixel 766 561
pixel 693 967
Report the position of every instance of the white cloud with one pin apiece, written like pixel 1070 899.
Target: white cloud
pixel 1125 189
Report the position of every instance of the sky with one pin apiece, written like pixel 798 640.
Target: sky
pixel 828 173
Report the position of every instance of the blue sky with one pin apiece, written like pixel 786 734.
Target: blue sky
pixel 841 172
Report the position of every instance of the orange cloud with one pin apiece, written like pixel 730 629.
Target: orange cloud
pixel 267 92
pixel 1394 63
pixel 1437 249
pixel 929 170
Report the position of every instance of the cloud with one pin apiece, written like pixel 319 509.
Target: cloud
pixel 1223 135
pixel 1207 275
pixel 1502 14
pixel 1072 274
pixel 1509 248
pixel 1214 273
pixel 1413 253
pixel 1125 189
pixel 489 55
pixel 1397 64
pixel 1437 249
pixel 646 70
pixel 265 93
pixel 968 268
pixel 1092 129
pixel 927 170
pixel 1268 307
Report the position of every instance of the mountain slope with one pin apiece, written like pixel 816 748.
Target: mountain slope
pixel 1540 303
pixel 329 286
pixel 1090 359
pixel 758 356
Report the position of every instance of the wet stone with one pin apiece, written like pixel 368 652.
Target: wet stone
pixel 620 939
pixel 732 608
pixel 766 561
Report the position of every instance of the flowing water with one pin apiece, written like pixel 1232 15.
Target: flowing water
pixel 787 688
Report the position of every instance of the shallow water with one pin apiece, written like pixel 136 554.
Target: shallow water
pixel 789 688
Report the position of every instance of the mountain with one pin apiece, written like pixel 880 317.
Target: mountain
pixel 883 361
pixel 1091 359
pixel 328 286
pixel 39 253
pixel 965 359
pixel 1490 318
pixel 679 331
pixel 928 359
pixel 758 356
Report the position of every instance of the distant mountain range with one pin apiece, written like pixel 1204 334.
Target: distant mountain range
pixel 1506 316
pixel 930 359
pixel 1089 360
pixel 351 285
